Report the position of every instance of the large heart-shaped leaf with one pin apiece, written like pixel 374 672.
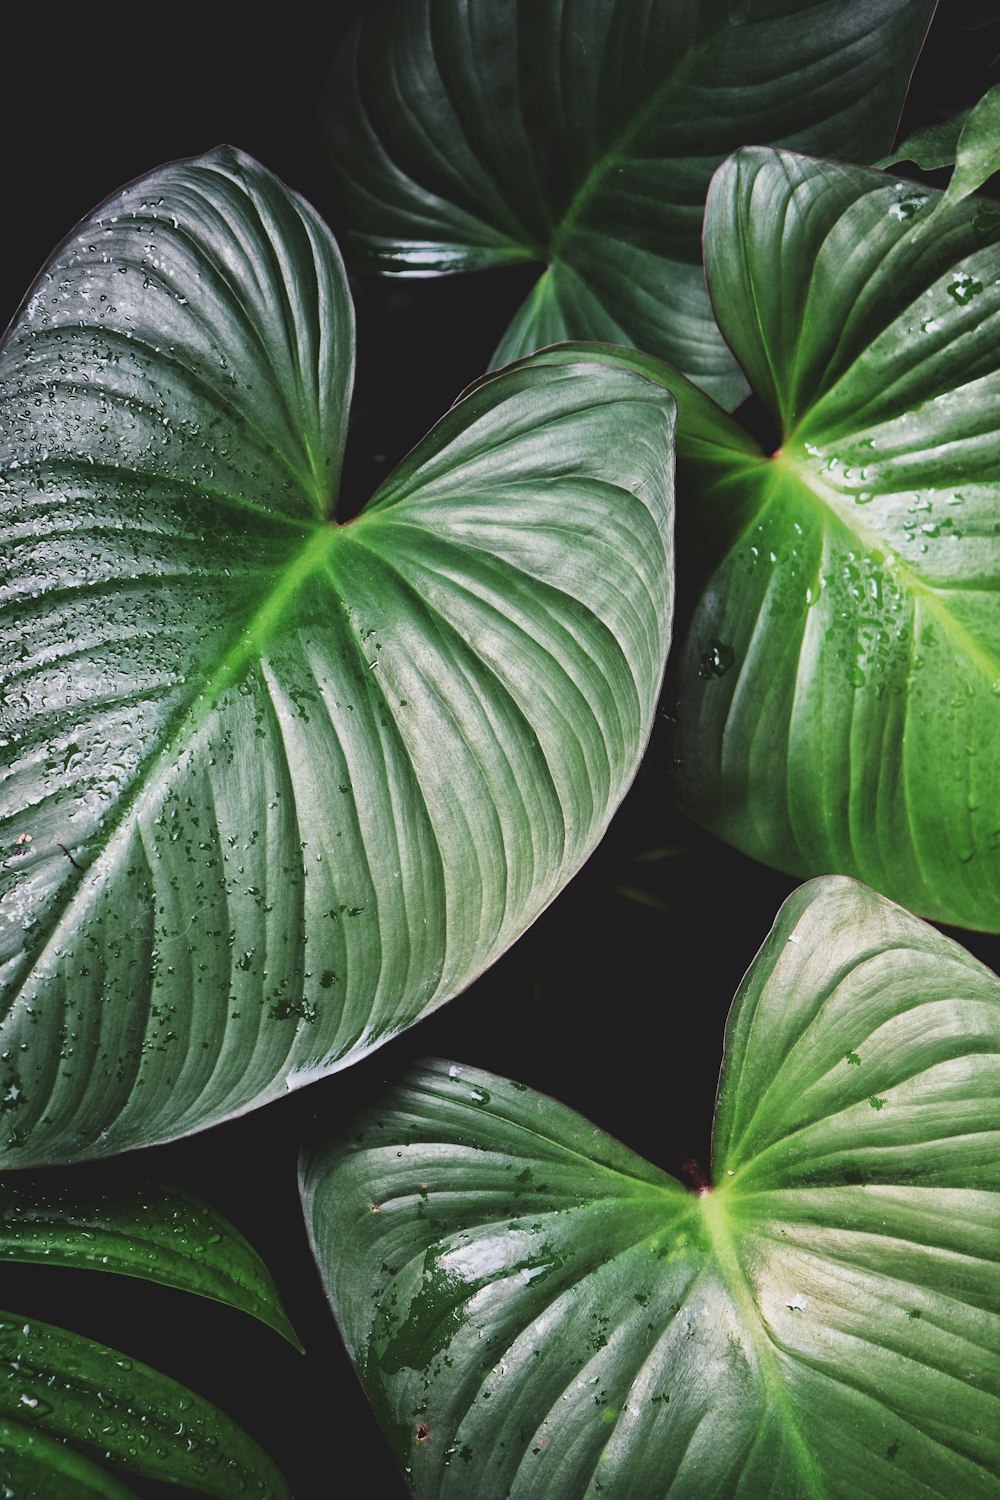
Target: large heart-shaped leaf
pixel 69 1406
pixel 839 688
pixel 535 1311
pixel 470 133
pixel 279 786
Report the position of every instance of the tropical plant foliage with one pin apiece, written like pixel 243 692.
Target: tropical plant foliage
pixel 535 1310
pixel 839 689
pixel 587 142
pixel 280 786
pixel 287 767
pixel 75 1414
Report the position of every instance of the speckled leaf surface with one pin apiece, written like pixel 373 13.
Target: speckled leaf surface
pixel 156 1233
pixel 535 1311
pixel 838 694
pixel 583 135
pixel 278 786
pixel 67 1402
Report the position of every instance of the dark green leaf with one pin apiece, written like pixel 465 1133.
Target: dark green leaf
pixel 536 1312
pixel 471 133
pixel 839 689
pixel 978 155
pixel 161 1234
pixel 278 786
pixel 929 147
pixel 34 1466
pixel 107 1407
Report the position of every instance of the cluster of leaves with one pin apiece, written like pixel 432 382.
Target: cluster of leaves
pixel 280 782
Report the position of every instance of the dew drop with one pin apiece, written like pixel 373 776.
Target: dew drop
pixel 905 208
pixel 964 288
pixel 717 660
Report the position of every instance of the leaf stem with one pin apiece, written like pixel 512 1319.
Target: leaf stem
pixel 695 1174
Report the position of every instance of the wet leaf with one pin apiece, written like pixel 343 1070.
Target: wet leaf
pixel 838 693
pixel 278 786
pixel 536 1311
pixel 34 1466
pixel 68 1407
pixel 160 1234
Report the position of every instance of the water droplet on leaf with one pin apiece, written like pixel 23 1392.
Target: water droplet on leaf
pixel 717 660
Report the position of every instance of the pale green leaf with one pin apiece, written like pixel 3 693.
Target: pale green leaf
pixel 61 1394
pixel 978 155
pixel 930 147
pixel 157 1233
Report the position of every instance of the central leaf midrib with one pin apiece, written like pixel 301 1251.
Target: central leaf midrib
pixel 253 638
pixel 626 137
pixel 740 1149
pixel 875 544
pixel 737 1282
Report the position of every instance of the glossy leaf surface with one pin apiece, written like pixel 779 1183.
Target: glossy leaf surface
pixel 970 142
pixel 583 135
pixel 65 1400
pixel 535 1311
pixel 839 689
pixel 279 786
pixel 159 1234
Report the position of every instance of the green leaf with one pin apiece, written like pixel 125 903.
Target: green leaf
pixel 839 687
pixel 978 155
pixel 34 1466
pixel 471 133
pixel 970 141
pixel 277 786
pixel 930 146
pixel 62 1396
pixel 160 1234
pixel 535 1311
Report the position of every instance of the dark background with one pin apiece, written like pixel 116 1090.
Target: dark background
pixel 613 1005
